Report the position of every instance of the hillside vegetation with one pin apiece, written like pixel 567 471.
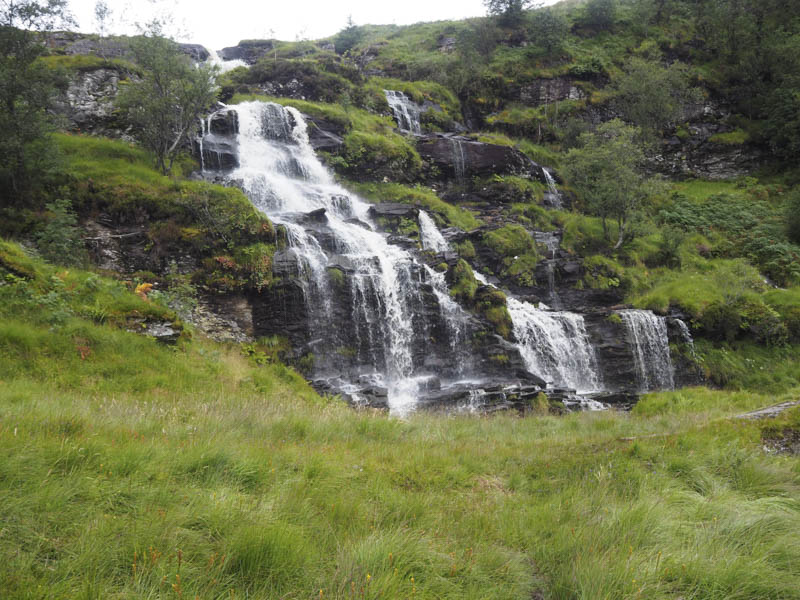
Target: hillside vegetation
pixel 183 467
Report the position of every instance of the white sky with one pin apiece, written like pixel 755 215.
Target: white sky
pixel 221 23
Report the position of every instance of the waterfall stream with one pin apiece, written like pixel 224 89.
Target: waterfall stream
pixel 555 346
pixel 555 195
pixel 432 238
pixel 375 321
pixel 406 113
pixel 647 334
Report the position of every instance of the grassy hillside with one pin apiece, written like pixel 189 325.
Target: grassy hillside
pixel 132 469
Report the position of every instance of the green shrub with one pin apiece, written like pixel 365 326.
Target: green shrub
pixel 373 155
pixel 59 239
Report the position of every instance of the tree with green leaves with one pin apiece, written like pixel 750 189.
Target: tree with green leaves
pixel 349 37
pixel 172 94
pixel 654 97
pixel 607 171
pixel 508 12
pixel 27 90
pixel 548 29
pixel 600 14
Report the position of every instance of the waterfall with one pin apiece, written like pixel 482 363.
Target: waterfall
pixel 383 294
pixel 686 335
pixel 432 238
pixel 647 335
pixel 406 112
pixel 555 346
pixel 459 159
pixel 224 65
pixel 555 195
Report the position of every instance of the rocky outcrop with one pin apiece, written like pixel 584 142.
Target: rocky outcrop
pixel 699 155
pixel 88 103
pixel 68 42
pixel 250 51
pixel 460 158
pixel 548 91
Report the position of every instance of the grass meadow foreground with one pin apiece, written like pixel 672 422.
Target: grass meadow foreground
pixel 133 470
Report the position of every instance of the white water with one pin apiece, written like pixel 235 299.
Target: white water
pixel 406 112
pixel 459 159
pixel 555 346
pixel 647 334
pixel 224 65
pixel 686 335
pixel 432 238
pixel 283 178
pixel 551 187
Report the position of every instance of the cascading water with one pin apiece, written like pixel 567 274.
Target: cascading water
pixel 406 112
pixel 555 346
pixel 686 335
pixel 325 231
pixel 224 65
pixel 432 238
pixel 555 195
pixel 459 159
pixel 647 335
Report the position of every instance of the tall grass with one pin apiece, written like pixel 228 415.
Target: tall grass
pixel 139 470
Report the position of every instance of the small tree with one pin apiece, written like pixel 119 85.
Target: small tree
pixel 170 97
pixel 348 37
pixel 102 16
pixel 655 97
pixel 508 12
pixel 606 170
pixel 548 29
pixel 600 14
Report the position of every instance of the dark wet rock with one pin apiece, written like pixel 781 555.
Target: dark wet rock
pixel 281 309
pixel 615 359
pixel 694 151
pixel 316 216
pixel 224 122
pixel 219 153
pixel 285 264
pixel 196 52
pixel 460 157
pixel 324 134
pixel 392 209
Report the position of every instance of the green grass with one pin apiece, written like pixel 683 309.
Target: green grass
pixel 209 221
pixel 138 470
pixel 733 138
